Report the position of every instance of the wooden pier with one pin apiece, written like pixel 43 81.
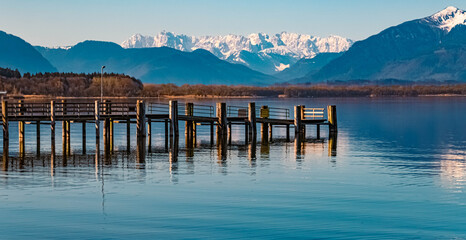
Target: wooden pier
pixel 219 119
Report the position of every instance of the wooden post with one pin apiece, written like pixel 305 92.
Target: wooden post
pixel 6 135
pixel 68 138
pixel 246 132
pixel 38 138
pixel 173 116
pixel 63 123
pixel 141 119
pixel 297 120
pixel 332 118
pixel 222 119
pixel 21 129
pixel 252 119
pixel 287 133
pixel 189 111
pixel 97 123
pixel 303 126
pixel 265 132
pixel 212 133
pixel 166 133
pixel 128 134
pixel 270 132
pixel 84 136
pixel 149 135
pixel 52 123
pixel 112 136
pixel 229 132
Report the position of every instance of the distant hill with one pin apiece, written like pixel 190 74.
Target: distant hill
pixel 153 65
pixel 15 53
pixel 306 66
pixel 431 48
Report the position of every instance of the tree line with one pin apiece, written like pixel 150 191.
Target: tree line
pixel 120 85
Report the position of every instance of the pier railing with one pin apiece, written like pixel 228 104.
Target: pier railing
pixel 313 113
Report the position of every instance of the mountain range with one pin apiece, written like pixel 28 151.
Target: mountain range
pixel 153 65
pixel 431 48
pixel 427 49
pixel 259 51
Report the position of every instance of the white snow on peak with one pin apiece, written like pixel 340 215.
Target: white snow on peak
pixel 448 18
pixel 298 45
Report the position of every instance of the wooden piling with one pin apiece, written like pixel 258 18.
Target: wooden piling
pixel 189 111
pixel 222 119
pixel 332 118
pixel 97 123
pixel 297 120
pixel 287 133
pixel 38 138
pixel 140 119
pixel 270 132
pixel 84 136
pixel 6 135
pixel 52 123
pixel 149 135
pixel 128 134
pixel 173 116
pixel 21 129
pixel 303 126
pixel 252 120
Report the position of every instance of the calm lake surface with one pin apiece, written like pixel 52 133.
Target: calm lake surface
pixel 398 171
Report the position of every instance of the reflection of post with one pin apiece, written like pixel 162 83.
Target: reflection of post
pixel 189 146
pixel 5 156
pixel 287 132
pixel 141 152
pixel 332 145
pixel 222 147
pixel 299 146
pixel 252 148
pixel 173 154
pixel 265 149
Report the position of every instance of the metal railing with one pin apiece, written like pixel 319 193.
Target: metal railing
pixel 158 108
pixel 203 110
pixel 313 113
pixel 237 111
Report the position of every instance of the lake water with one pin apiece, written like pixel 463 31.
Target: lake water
pixel 398 171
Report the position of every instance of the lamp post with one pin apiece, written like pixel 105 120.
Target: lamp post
pixel 101 83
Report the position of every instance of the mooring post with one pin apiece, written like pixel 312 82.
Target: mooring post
pixel 38 138
pixel 303 125
pixel 246 132
pixel 111 125
pixel 297 120
pixel 252 120
pixel 229 132
pixel 106 126
pixel 21 128
pixel 6 135
pixel 332 119
pixel 173 116
pixel 189 111
pixel 84 136
pixel 149 135
pixel 287 132
pixel 270 132
pixel 166 133
pixel 140 120
pixel 264 113
pixel 97 123
pixel 128 134
pixel 52 124
pixel 212 133
pixel 222 118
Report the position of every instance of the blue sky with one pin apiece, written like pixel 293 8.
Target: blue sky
pixel 66 22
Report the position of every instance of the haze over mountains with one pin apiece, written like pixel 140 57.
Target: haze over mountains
pixel 427 49
pixel 261 52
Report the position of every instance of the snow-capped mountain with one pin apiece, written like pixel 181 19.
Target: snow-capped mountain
pixel 259 51
pixel 447 19
pixel 426 49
